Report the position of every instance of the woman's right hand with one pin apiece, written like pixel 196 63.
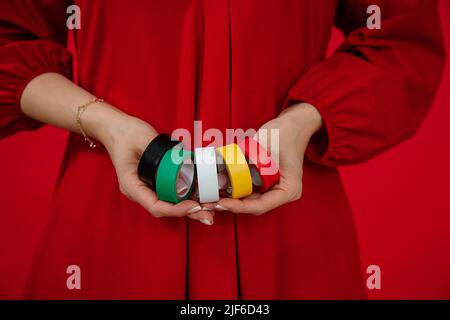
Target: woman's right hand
pixel 126 137
pixel 51 98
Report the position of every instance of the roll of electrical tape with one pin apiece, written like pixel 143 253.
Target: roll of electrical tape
pixel 265 171
pixel 237 169
pixel 176 175
pixel 206 168
pixel 150 159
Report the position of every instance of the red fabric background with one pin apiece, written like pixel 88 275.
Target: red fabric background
pixel 401 202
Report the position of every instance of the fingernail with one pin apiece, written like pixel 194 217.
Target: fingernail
pixel 206 221
pixel 206 209
pixel 195 209
pixel 218 207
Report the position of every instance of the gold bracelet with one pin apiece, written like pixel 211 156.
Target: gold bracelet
pixel 80 112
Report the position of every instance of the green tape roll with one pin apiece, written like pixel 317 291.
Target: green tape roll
pixel 175 176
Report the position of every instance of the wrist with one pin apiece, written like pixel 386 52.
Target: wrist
pixel 99 122
pixel 304 117
pixel 113 127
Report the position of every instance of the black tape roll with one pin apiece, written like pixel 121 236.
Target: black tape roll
pixel 150 159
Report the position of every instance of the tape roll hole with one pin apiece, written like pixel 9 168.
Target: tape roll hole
pixel 222 175
pixel 256 178
pixel 185 177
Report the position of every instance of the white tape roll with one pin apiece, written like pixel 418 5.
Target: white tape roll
pixel 206 164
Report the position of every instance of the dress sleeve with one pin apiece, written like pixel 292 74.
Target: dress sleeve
pixel 375 91
pixel 32 41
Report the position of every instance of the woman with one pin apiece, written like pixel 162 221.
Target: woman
pixel 160 65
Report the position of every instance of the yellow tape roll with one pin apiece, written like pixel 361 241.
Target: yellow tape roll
pixel 238 170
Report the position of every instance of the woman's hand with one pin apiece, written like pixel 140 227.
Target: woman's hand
pixel 126 137
pixel 296 125
pixel 53 99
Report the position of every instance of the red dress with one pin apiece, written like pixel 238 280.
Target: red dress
pixel 231 64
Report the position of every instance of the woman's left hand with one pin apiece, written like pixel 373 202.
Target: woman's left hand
pixel 296 126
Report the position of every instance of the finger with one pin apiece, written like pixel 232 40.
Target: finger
pixel 143 195
pixel 257 204
pixel 181 209
pixel 204 216
pixel 209 206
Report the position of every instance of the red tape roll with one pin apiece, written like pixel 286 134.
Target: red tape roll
pixel 265 171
